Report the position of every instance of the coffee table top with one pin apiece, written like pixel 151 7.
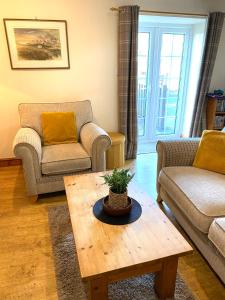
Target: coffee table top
pixel 103 248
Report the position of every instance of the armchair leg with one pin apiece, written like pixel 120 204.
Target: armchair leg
pixel 159 199
pixel 33 199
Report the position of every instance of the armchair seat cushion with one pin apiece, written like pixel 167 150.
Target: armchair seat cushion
pixel 217 234
pixel 200 194
pixel 64 158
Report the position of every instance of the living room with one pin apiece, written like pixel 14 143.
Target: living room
pixel 86 81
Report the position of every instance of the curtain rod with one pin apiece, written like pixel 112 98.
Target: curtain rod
pixel 165 12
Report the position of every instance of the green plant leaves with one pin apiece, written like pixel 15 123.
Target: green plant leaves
pixel 118 180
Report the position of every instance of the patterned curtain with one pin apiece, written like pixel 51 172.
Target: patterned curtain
pixel 127 77
pixel 215 25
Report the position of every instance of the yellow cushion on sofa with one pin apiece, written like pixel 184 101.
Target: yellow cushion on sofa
pixel 59 127
pixel 211 152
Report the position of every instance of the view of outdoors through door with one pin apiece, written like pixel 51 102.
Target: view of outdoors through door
pixel 164 59
pixel 170 79
pixel 161 74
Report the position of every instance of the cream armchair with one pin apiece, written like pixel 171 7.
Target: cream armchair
pixel 45 166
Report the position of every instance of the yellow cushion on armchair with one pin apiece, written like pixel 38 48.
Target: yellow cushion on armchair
pixel 211 152
pixel 59 127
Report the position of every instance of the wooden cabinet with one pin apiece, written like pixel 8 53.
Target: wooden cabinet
pixel 215 112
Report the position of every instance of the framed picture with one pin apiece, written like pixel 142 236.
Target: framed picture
pixel 37 44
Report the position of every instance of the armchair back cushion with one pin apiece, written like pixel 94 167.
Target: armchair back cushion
pixel 59 128
pixel 30 113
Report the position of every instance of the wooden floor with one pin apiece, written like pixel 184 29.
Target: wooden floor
pixel 26 261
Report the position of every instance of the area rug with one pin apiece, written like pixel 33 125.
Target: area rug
pixel 69 283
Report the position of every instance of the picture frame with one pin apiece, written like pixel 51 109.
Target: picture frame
pixel 37 43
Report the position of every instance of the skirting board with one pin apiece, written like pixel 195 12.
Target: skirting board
pixel 7 162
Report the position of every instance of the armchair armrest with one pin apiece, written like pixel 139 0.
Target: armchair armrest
pixel 30 138
pixel 175 153
pixel 27 146
pixel 95 141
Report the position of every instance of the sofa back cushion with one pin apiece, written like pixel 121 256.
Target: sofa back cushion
pixel 211 152
pixel 30 113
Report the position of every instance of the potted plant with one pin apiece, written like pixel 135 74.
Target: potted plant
pixel 118 182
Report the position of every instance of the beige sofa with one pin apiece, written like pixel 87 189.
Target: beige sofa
pixel 196 198
pixel 45 166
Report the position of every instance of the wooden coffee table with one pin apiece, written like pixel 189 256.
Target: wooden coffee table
pixel 108 253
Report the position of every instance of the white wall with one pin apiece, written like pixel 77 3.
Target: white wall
pixel 92 33
pixel 195 66
pixel 218 78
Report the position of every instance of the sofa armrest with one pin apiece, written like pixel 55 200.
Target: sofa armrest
pixel 95 141
pixel 27 146
pixel 175 153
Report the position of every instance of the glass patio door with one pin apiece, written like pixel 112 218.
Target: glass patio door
pixel 162 73
pixel 145 40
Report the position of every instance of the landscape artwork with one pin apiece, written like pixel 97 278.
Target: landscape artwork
pixel 37 44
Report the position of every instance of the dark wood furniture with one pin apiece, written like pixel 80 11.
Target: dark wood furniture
pixel 212 112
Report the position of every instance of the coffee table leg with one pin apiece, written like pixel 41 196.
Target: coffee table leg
pixel 166 279
pixel 98 289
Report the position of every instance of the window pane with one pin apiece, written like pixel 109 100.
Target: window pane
pixel 178 41
pixel 169 82
pixel 171 107
pixel 173 88
pixel 143 39
pixel 165 65
pixel 175 67
pixel 163 87
pixel 143 42
pixel 143 49
pixel 141 126
pixel 161 107
pixel 165 126
pixel 167 44
pixel 170 125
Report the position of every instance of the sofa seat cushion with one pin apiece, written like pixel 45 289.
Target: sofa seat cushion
pixel 64 158
pixel 217 234
pixel 200 194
